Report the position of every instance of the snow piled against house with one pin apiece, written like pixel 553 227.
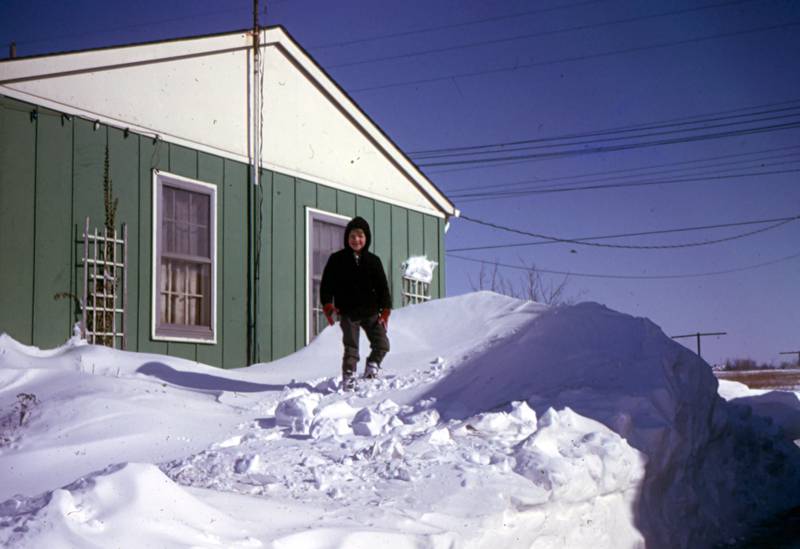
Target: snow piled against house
pixel 419 268
pixel 496 423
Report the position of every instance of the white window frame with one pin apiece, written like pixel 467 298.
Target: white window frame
pixel 206 188
pixel 311 214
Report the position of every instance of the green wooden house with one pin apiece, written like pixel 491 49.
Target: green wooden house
pixel 218 261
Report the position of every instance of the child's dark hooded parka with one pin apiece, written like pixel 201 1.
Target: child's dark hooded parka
pixel 358 289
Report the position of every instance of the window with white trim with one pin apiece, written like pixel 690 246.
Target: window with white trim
pixel 185 259
pixel 325 236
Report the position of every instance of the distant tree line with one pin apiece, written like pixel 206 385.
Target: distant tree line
pixel 738 364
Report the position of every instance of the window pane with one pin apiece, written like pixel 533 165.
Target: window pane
pixel 199 210
pixel 169 203
pixel 200 242
pixel 185 292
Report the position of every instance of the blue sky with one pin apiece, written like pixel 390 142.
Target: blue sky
pixel 514 80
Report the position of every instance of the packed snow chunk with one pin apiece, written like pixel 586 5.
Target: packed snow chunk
pixel 327 427
pixel 440 436
pixel 126 506
pixel 419 268
pixel 337 410
pixel 578 459
pixel 297 412
pixel 369 422
pixel 509 427
pixel 376 419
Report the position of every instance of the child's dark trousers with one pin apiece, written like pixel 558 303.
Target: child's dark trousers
pixel 376 334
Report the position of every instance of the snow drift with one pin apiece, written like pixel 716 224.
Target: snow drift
pixel 497 423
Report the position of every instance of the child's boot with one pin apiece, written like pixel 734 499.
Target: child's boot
pixel 371 372
pixel 348 380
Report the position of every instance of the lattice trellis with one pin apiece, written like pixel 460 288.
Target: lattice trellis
pixel 415 291
pixel 105 286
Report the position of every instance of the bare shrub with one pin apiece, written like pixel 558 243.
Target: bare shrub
pixel 531 285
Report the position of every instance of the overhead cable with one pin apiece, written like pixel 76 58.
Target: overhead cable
pixel 621 147
pixel 575 58
pixel 598 135
pixel 532 35
pixel 625 173
pixel 450 25
pixel 500 195
pixel 627 246
pixel 629 277
pixel 627 235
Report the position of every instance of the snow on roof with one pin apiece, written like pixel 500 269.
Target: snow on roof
pixel 496 423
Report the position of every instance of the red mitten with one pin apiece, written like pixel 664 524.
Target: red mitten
pixel 384 318
pixel 329 310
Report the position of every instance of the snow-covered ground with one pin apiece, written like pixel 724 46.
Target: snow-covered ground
pixel 496 423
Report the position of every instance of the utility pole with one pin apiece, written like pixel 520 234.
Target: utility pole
pixel 253 225
pixel 698 335
pixel 792 353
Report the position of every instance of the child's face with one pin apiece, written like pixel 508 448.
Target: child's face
pixel 356 240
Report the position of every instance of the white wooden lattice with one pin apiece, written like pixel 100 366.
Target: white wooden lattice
pixel 105 286
pixel 415 291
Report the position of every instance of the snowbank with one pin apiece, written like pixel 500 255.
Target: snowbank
pixel 497 423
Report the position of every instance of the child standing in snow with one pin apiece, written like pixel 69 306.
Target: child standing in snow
pixel 354 285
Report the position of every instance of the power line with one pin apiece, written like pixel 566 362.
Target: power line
pixel 571 179
pixel 628 246
pixel 679 119
pixel 575 58
pixel 499 195
pixel 532 35
pixel 628 277
pixel 450 25
pixel 623 147
pixel 624 235
pixel 670 127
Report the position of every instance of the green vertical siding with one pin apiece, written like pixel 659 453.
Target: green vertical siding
pixel 183 161
pixel 53 230
pixel 89 159
pixel 305 196
pixel 345 203
pixel 416 234
pixel 431 247
pixel 210 169
pixel 326 199
pixel 17 199
pixel 152 155
pixel 440 268
pixel 123 154
pixel 264 323
pixel 365 207
pixel 382 237
pixel 284 280
pixel 400 246
pixel 49 162
pixel 234 267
